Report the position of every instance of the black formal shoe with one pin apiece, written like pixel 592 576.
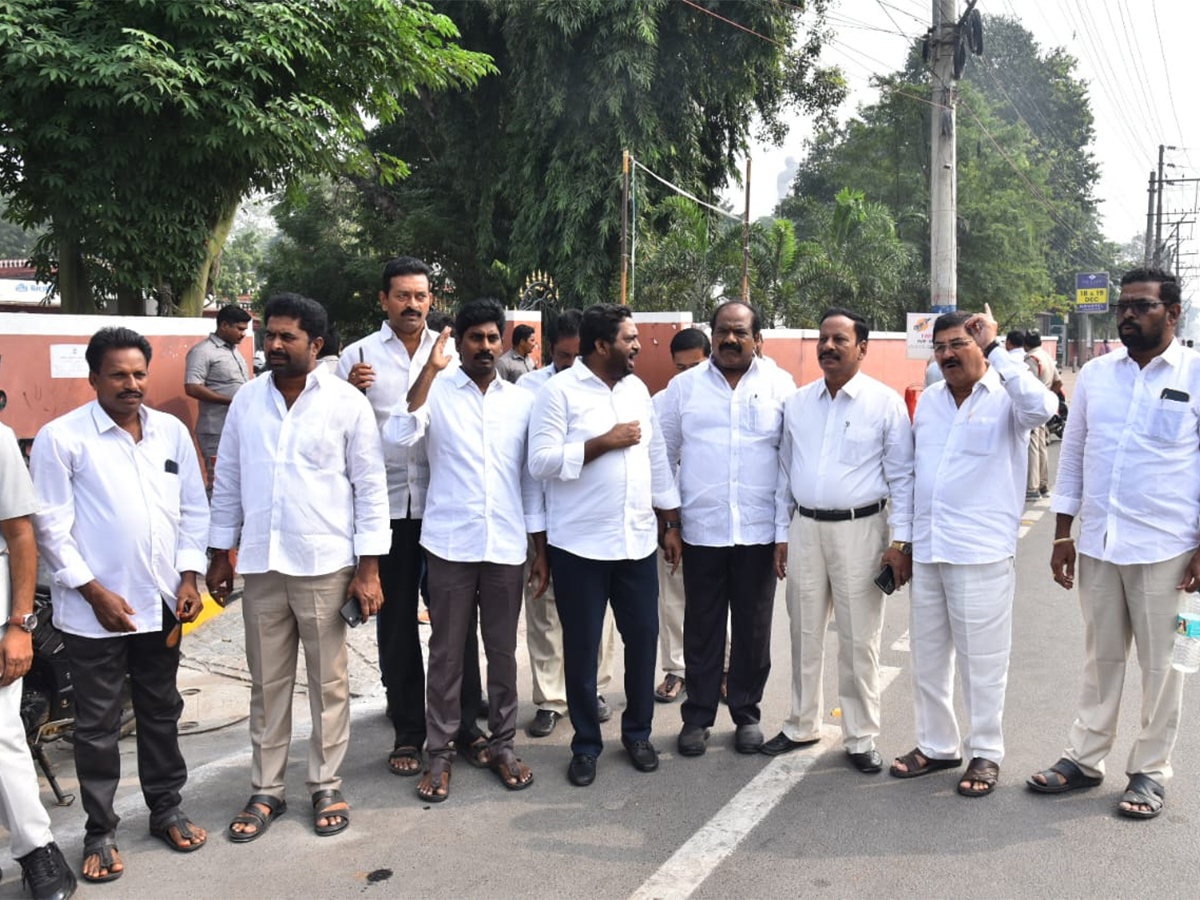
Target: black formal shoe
pixel 749 738
pixel 603 710
pixel 642 754
pixel 543 722
pixel 47 874
pixel 582 770
pixel 781 744
pixel 693 740
pixel 869 761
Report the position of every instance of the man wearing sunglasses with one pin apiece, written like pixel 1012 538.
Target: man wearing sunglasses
pixel 1135 423
pixel 971 441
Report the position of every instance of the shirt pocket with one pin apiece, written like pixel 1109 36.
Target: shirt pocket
pixel 979 435
pixel 762 415
pixel 322 453
pixel 1171 421
pixel 858 444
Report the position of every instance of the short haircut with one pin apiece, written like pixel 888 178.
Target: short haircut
pixel 691 339
pixel 479 312
pixel 1168 284
pixel 949 320
pixel 601 322
pixel 309 313
pixel 232 314
pixel 333 343
pixel 114 339
pixel 404 265
pixel 1033 339
pixel 861 330
pixel 755 324
pixel 521 333
pixel 436 321
pixel 564 325
pixel 1016 337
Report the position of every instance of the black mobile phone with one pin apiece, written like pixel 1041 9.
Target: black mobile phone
pixel 1172 394
pixel 886 580
pixel 351 611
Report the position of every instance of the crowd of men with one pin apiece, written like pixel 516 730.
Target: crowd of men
pixel 338 487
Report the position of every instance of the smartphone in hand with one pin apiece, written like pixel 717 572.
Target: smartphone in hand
pixel 886 580
pixel 351 611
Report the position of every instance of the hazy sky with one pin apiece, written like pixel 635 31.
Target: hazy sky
pixel 1136 101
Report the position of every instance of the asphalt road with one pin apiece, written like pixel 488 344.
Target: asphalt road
pixel 716 826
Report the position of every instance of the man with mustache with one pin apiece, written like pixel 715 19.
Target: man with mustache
pixel 300 492
pixel 594 440
pixel 971 437
pixel 722 422
pixel 543 631
pixel 384 366
pixel 122 527
pixel 482 502
pixel 1130 470
pixel 846 457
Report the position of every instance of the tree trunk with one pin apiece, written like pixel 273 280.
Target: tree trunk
pixel 191 299
pixel 129 302
pixel 74 292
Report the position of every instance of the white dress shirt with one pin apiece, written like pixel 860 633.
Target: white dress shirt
pixel 131 516
pixel 849 451
pixel 303 487
pixel 971 462
pixel 603 510
pixel 482 501
pixel 1130 461
pixel 724 445
pixel 395 373
pixel 533 381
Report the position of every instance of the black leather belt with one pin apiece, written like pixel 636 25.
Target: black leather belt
pixel 841 515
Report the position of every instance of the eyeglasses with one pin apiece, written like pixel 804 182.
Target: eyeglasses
pixel 1138 307
pixel 955 345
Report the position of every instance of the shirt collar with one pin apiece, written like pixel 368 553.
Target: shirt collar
pixel 460 379
pixel 103 421
pixel 220 342
pixel 387 334
pixel 850 388
pixel 1170 357
pixel 990 380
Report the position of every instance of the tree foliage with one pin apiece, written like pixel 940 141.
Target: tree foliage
pixel 133 129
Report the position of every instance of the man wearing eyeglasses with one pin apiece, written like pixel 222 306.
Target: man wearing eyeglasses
pixel 971 437
pixel 1134 426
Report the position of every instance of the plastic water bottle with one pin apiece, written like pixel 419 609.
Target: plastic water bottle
pixel 1187 635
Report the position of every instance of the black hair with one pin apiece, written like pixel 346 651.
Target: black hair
pixel 332 345
pixel 479 312
pixel 691 339
pixel 601 322
pixel 232 314
pixel 404 265
pixel 861 330
pixel 564 325
pixel 949 320
pixel 309 313
pixel 521 333
pixel 1168 284
pixel 755 324
pixel 436 321
pixel 1033 339
pixel 1016 337
pixel 114 339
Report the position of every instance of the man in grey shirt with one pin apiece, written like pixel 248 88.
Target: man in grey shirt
pixel 519 360
pixel 215 370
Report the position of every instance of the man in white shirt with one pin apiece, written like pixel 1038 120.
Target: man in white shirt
pixel 595 441
pixel 543 631
pixel 123 527
pixel 971 437
pixel 1042 365
pixel 689 348
pixel 384 366
pixel 300 492
pixel 481 504
pixel 722 422
pixel 1014 344
pixel 846 452
pixel 1130 470
pixel 21 811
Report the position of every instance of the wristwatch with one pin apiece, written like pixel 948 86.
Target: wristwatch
pixel 673 524
pixel 26 623
pixel 904 547
pixel 987 351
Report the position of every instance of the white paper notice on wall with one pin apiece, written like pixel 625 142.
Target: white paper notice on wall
pixel 68 361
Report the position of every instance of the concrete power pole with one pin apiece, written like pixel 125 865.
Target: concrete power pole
pixel 1149 223
pixel 1158 217
pixel 943 181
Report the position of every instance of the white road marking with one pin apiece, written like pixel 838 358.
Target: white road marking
pixel 700 855
pixel 900 645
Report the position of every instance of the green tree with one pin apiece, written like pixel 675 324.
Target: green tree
pixel 235 272
pixel 133 129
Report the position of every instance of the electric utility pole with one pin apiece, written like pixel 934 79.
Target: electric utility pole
pixel 943 187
